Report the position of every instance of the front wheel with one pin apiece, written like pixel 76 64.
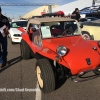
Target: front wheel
pixel 45 76
pixel 25 50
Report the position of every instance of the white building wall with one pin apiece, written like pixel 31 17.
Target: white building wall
pixel 70 7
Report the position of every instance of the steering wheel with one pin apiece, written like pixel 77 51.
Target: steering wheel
pixel 53 26
pixel 67 32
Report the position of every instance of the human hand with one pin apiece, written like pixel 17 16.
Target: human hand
pixel 6 31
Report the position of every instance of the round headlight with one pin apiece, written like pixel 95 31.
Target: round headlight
pixel 61 50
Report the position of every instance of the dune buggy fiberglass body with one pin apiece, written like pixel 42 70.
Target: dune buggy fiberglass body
pixel 60 50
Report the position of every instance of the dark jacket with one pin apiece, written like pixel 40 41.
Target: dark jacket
pixel 75 15
pixel 4 21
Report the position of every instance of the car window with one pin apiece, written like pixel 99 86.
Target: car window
pixel 59 29
pixel 18 24
pixel 91 24
pixel 88 23
pixel 92 18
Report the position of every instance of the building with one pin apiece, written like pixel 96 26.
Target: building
pixel 37 12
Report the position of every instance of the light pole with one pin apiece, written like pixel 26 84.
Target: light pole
pixel 50 8
pixel 13 16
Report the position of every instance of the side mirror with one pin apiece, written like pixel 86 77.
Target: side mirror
pixel 81 25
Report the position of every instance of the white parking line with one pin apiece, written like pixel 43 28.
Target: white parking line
pixel 38 93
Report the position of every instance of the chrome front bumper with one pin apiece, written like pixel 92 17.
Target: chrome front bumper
pixel 83 77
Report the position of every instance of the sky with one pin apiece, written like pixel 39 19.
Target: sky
pixel 16 11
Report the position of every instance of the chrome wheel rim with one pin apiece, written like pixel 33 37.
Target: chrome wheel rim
pixel 40 80
pixel 86 37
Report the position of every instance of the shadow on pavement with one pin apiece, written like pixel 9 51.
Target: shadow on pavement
pixel 11 62
pixel 60 82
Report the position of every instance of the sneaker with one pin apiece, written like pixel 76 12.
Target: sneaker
pixel 4 64
pixel 0 65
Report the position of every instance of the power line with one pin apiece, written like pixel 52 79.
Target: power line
pixel 27 4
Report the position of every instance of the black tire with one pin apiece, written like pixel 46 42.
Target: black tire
pixel 47 75
pixel 97 72
pixel 85 33
pixel 25 50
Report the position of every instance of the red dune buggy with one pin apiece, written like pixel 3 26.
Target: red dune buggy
pixel 60 50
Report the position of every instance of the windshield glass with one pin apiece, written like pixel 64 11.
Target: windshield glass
pixel 60 29
pixel 19 24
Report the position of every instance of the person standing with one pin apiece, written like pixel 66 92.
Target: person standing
pixel 4 22
pixel 76 14
pixel 1 61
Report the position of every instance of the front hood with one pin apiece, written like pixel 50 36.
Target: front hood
pixel 17 30
pixel 68 42
pixel 79 51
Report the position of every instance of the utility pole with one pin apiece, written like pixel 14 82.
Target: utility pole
pixel 49 8
pixel 13 16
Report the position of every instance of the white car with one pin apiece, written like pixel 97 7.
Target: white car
pixel 17 27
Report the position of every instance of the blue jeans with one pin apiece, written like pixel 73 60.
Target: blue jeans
pixel 1 60
pixel 3 41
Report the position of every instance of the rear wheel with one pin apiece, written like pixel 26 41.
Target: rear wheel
pixel 25 50
pixel 45 76
pixel 86 35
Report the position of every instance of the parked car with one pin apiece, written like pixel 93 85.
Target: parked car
pixel 92 28
pixel 88 19
pixel 61 51
pixel 90 10
pixel 17 27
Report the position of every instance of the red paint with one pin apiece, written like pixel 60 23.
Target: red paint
pixel 21 29
pixel 60 12
pixel 75 59
pixel 42 13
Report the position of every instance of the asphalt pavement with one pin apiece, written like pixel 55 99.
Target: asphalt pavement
pixel 18 82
